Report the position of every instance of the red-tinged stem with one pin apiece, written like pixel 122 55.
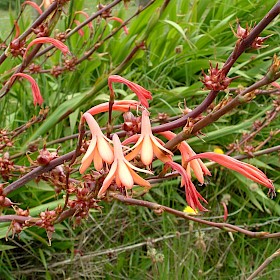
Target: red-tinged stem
pixel 271 135
pixel 69 156
pixel 65 214
pixel 238 50
pixel 35 24
pixel 17 218
pixel 223 226
pixel 36 172
pixel 99 41
pixel 212 117
pixel 254 33
pixel 259 153
pixel 193 114
pixel 84 23
pixel 274 113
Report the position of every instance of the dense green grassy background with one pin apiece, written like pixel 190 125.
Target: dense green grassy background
pixel 126 242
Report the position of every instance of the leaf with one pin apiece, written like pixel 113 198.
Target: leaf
pixel 43 259
pixel 177 27
pixel 53 118
pixel 6 247
pixel 3 229
pixel 73 120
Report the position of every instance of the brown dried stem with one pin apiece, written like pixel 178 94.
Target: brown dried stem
pixel 275 255
pixel 240 47
pixel 245 96
pixel 224 226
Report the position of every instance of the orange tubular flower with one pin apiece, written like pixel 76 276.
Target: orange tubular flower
pixel 122 171
pixel 142 94
pixel 121 22
pixel 99 149
pixel 80 31
pixel 52 41
pixel 34 5
pixel 87 16
pixel 122 106
pixel 192 195
pixel 37 97
pixel 196 165
pixel 243 168
pixel 148 145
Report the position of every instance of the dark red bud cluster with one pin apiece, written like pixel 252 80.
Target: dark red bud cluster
pixel 62 36
pixel 6 166
pixel 249 149
pixel 57 178
pixel 4 201
pixel 162 117
pixel 105 14
pixel 233 147
pixel 56 71
pixel 258 42
pixel 70 64
pixel 83 203
pixel 17 47
pixel 216 80
pixel 257 124
pixel 47 220
pixel 41 31
pixel 45 156
pixel 34 68
pixel 132 124
pixel 21 212
pixel 17 226
pixel 242 33
pixel 5 139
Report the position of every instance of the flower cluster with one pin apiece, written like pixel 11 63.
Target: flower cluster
pixel 83 202
pixel 120 164
pixel 216 79
pixel 242 33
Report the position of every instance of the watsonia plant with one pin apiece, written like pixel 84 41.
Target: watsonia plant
pixel 131 153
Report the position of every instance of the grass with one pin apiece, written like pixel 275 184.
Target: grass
pixel 125 242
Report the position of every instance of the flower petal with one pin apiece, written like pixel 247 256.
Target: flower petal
pixel 34 5
pixel 136 168
pixel 160 155
pixel 88 157
pixel 147 153
pixel 120 21
pixel 204 168
pixel 124 175
pixel 109 178
pixel 97 160
pixel 139 180
pixel 135 149
pixel 141 93
pixel 245 169
pixel 153 138
pixel 132 139
pixel 119 105
pixel 90 149
pixel 105 150
pixel 197 170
